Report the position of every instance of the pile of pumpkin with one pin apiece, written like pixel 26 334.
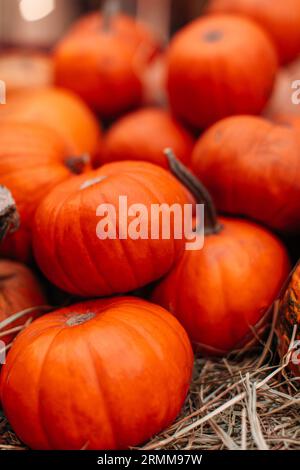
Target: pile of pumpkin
pixel 111 372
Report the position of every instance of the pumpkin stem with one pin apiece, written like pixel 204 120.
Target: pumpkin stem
pixel 77 164
pixel 198 190
pixel 109 10
pixel 9 216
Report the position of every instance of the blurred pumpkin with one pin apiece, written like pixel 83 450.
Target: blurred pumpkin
pixel 250 165
pixel 97 375
pixel 105 63
pixel 288 321
pixel 218 66
pixel 75 255
pixel 144 135
pixel 19 291
pixel 280 18
pixel 222 292
pixel 59 109
pixel 33 159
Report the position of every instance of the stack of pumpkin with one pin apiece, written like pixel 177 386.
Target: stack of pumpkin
pixel 111 372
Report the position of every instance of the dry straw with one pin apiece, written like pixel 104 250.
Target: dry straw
pixel 245 401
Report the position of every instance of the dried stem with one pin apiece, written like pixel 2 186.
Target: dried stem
pixel 109 10
pixel 9 216
pixel 77 164
pixel 198 190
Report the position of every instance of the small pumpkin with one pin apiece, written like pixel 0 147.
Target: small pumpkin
pixel 143 135
pixel 60 110
pixel 105 374
pixel 104 62
pixel 288 322
pixel 21 298
pixel 33 159
pixel 221 292
pixel 280 18
pixel 73 254
pixel 218 66
pixel 250 165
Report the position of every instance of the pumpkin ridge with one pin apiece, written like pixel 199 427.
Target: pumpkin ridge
pixel 84 238
pixel 133 330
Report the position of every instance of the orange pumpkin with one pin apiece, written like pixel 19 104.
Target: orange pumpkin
pixel 60 110
pixel 104 64
pixel 21 294
pixel 70 247
pixel 221 292
pixel 288 323
pixel 33 159
pixel 143 135
pixel 288 120
pixel 280 18
pixel 220 65
pixel 250 165
pixel 105 374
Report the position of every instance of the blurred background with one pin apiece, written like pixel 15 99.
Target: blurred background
pixel 39 23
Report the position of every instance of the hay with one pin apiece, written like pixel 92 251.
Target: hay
pixel 243 402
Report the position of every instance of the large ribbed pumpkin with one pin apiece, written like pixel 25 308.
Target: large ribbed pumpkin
pixel 33 159
pixel 105 63
pixel 60 110
pixel 218 66
pixel 250 166
pixel 19 291
pixel 223 291
pixel 280 18
pixel 77 258
pixel 105 374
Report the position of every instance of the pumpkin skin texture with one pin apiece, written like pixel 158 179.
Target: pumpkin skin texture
pixel 218 66
pixel 60 110
pixel 66 222
pixel 76 385
pixel 220 292
pixel 108 63
pixel 249 166
pixel 144 135
pixel 19 290
pixel 288 318
pixel 33 159
pixel 280 18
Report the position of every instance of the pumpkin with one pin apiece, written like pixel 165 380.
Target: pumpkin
pixel 289 120
pixel 218 66
pixel 105 374
pixel 60 110
pixel 280 18
pixel 33 159
pixel 104 63
pixel 222 291
pixel 288 322
pixel 21 298
pixel 250 165
pixel 143 135
pixel 68 239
